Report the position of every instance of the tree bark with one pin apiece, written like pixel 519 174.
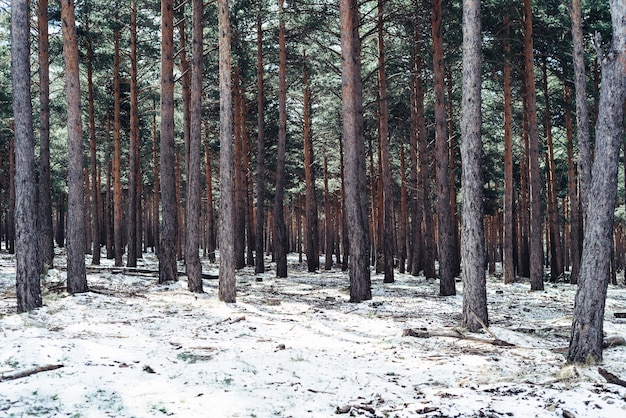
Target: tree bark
pixel 192 256
pixel 76 276
pixel 556 251
pixel 311 231
pixel 383 128
pixel 95 186
pixel 535 242
pixel 280 233
pixel 356 190
pixel 574 211
pixel 582 112
pixel 508 222
pixel 45 183
pixel 169 230
pixel 28 287
pixel 210 213
pixel 328 223
pixel 133 179
pixel 587 324
pixel 227 287
pixel 259 263
pixel 444 216
pixel 118 211
pixel 472 233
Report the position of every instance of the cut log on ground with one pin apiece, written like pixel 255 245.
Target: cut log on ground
pixel 453 333
pixel 28 372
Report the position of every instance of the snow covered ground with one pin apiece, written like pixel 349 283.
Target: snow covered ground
pixel 295 348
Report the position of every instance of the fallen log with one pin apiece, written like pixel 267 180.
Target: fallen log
pixel 454 333
pixel 29 372
pixel 611 378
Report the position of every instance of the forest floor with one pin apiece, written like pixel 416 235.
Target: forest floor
pixel 295 347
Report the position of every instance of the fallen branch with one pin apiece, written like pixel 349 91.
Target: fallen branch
pixel 423 333
pixel 611 378
pixel 29 372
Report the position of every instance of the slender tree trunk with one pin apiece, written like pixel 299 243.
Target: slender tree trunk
pixel 403 224
pixel 311 231
pixel 95 186
pixel 76 275
pixel 28 287
pixel 156 186
pixel 87 211
pixel 588 318
pixel 11 214
pixel 417 198
pixel 507 232
pixel 118 211
pixel 133 179
pixel 444 216
pixel 227 287
pixel 556 252
pixel 582 112
pixel 169 230
pixel 259 263
pixel 45 183
pixel 328 223
pixel 192 256
pixel 473 234
pixel 535 243
pixel 240 188
pixel 574 211
pixel 210 214
pixel 352 110
pixel 345 242
pixel 456 244
pixel 387 189
pixel 280 233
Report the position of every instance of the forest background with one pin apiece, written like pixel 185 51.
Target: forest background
pixel 411 115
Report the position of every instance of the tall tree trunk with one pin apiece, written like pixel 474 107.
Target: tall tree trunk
pixel 508 222
pixel 46 241
pixel 535 242
pixel 574 206
pixel 240 187
pixel 76 275
pixel 556 251
pixel 328 223
pixel 227 287
pixel 444 216
pixel 582 112
pixel 352 110
pixel 133 179
pixel 280 233
pixel 473 233
pixel 95 186
pixel 210 214
pixel 456 244
pixel 169 230
pixel 383 128
pixel 156 186
pixel 417 198
pixel 118 211
pixel 311 231
pixel 185 69
pixel 403 224
pixel 259 263
pixel 588 318
pixel 28 287
pixel 192 256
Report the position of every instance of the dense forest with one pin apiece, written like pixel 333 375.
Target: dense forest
pixel 444 139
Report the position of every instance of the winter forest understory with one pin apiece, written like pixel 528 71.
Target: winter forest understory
pixel 185 183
